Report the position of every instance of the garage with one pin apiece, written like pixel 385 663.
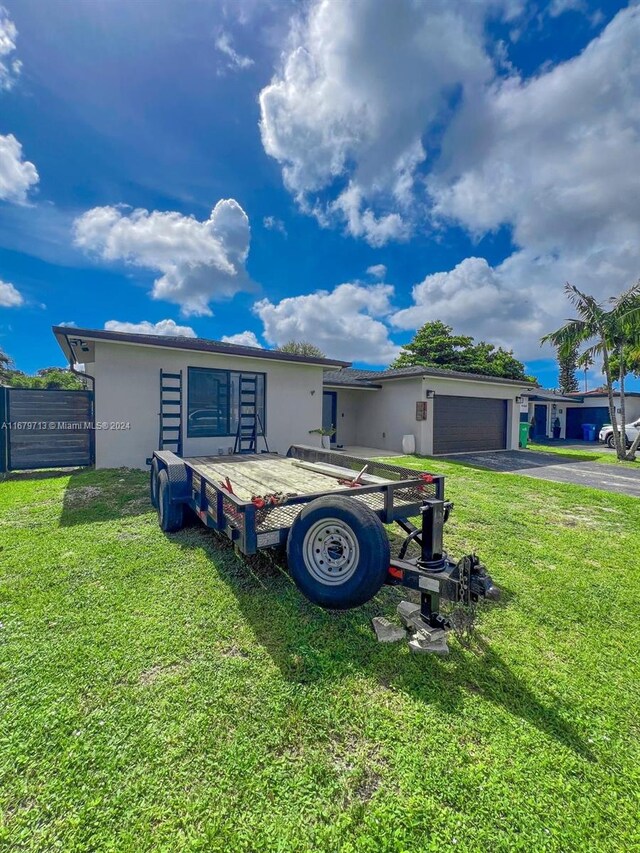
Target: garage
pixel 597 415
pixel 463 424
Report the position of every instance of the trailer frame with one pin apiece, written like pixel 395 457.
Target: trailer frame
pixel 403 495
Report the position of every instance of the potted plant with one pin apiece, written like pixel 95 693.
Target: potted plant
pixel 325 435
pixel 556 428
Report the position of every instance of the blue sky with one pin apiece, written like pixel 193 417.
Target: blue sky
pixel 370 166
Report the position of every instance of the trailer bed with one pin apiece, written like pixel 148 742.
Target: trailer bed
pixel 262 473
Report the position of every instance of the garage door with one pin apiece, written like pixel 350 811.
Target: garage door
pixel 597 415
pixel 464 424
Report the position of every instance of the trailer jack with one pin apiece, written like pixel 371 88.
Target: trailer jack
pixel 435 576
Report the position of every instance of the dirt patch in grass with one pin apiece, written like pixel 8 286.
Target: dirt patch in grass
pixel 234 651
pixel 151 675
pixel 82 495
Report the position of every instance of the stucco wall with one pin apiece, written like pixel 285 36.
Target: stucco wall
pixel 632 405
pixel 381 418
pixel 128 389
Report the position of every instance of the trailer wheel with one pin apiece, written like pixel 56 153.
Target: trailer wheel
pixel 153 484
pixel 170 515
pixel 338 552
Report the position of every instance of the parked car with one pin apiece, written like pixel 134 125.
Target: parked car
pixel 631 431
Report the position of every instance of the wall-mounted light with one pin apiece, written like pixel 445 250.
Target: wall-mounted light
pixel 519 400
pixel 312 392
pixel 429 394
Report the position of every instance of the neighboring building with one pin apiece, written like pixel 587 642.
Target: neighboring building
pixel 574 410
pixel 126 369
pixel 459 412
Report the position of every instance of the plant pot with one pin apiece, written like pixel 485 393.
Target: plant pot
pixel 326 441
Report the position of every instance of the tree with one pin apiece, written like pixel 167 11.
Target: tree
pixel 6 365
pixel 436 345
pixel 46 377
pixel 302 348
pixel 568 365
pixel 607 332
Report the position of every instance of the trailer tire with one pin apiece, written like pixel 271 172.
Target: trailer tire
pixel 153 484
pixel 338 552
pixel 170 514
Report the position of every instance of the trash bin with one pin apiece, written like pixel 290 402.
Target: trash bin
pixel 524 433
pixel 588 432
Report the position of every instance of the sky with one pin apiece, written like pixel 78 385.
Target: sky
pixel 335 171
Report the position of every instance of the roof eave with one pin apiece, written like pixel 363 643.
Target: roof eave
pixel 168 342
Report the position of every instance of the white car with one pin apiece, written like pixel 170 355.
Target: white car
pixel 631 430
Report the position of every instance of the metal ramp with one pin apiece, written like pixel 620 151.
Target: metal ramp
pixel 250 426
pixel 170 414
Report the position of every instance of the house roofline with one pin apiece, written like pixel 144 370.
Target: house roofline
pixel 190 344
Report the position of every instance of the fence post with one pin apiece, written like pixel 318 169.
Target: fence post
pixel 4 430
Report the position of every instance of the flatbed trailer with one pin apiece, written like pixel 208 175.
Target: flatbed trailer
pixel 329 510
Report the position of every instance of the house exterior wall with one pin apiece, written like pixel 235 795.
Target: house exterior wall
pixel 128 390
pixel 561 408
pixel 381 418
pixel 632 405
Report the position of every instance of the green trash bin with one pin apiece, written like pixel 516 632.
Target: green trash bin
pixel 524 433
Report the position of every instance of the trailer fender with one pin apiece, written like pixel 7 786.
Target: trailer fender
pixel 177 474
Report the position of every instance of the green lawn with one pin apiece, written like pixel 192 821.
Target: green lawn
pixel 159 693
pixel 598 454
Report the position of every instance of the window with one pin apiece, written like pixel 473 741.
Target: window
pixel 213 404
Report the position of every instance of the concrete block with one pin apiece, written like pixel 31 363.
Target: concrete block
pixel 408 613
pixel 424 642
pixel 386 631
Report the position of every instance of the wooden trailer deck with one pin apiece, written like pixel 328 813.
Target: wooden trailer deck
pixel 262 473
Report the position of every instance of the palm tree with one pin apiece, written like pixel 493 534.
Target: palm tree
pixel 606 329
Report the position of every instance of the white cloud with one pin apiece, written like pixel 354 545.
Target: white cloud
pixel 235 60
pixel 377 271
pixel 145 327
pixel 557 160
pixel 361 83
pixel 272 223
pixel 199 261
pixel 479 300
pixel 17 176
pixel 243 339
pixel 559 7
pixel 9 67
pixel 556 157
pixel 346 323
pixel 10 297
pixel 70 323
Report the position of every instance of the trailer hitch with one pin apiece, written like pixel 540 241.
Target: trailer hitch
pixel 435 576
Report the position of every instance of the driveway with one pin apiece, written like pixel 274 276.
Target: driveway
pixel 561 469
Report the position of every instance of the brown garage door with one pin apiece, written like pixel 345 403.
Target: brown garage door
pixel 466 424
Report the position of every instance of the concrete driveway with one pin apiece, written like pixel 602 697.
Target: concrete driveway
pixel 561 469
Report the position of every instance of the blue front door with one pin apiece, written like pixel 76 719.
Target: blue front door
pixel 540 419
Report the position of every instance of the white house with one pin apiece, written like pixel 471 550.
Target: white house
pixel 445 411
pixel 126 373
pixel 574 410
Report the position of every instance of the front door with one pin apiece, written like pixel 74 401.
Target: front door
pixel 540 421
pixel 329 407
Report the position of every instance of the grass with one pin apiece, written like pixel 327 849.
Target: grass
pixel 159 693
pixel 596 455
